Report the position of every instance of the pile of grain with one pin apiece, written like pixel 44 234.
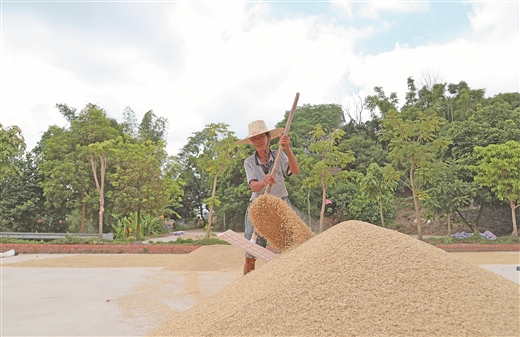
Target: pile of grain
pixel 358 279
pixel 212 258
pixel 276 221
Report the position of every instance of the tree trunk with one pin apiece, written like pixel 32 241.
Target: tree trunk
pixel 465 221
pixel 138 227
pixel 210 220
pixel 323 197
pixel 103 161
pixel 449 224
pixel 416 205
pixel 381 212
pixel 309 206
pixel 99 189
pixel 479 217
pixel 83 215
pixel 513 214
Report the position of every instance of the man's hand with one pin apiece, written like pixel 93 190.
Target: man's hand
pixel 269 180
pixel 285 142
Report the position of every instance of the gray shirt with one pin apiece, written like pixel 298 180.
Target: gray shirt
pixel 255 171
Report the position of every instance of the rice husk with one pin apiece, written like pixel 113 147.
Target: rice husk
pixel 276 221
pixel 358 279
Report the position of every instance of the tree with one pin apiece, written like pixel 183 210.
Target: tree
pixel 499 169
pixel 234 195
pixel 380 102
pixel 12 145
pixel 327 164
pixel 97 153
pixel 305 119
pixel 448 195
pixel 414 145
pixel 129 124
pixel 219 150
pixel 139 182
pixel 67 182
pixel 152 127
pixel 197 186
pixel 22 204
pixel 355 105
pixel 495 121
pixel 379 185
pixel 363 141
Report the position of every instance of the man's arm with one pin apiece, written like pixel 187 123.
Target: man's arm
pixel 293 163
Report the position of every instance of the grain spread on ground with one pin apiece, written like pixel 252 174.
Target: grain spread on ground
pixel 490 257
pixel 98 260
pixel 358 279
pixel 276 221
pixel 212 258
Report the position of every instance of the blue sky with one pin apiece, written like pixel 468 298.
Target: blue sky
pixel 197 62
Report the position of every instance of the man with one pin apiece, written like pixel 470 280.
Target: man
pixel 259 173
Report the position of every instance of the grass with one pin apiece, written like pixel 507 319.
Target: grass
pixel 189 241
pixel 475 239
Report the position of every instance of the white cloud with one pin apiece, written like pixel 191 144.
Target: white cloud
pixel 460 60
pixel 374 9
pixel 224 62
pixel 495 20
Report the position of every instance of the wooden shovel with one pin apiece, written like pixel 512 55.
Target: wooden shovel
pixel 273 218
pixel 285 133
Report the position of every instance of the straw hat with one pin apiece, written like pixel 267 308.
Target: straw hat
pixel 257 128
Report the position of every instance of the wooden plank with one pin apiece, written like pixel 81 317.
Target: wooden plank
pixel 241 242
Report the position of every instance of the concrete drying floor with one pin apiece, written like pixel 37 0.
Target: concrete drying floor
pixel 97 301
pixel 109 301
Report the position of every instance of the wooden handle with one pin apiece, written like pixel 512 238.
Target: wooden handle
pixel 285 133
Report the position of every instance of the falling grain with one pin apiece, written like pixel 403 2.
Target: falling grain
pixel 357 279
pixel 276 221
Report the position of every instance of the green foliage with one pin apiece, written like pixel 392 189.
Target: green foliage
pixel 414 146
pixel 475 239
pixel 192 242
pixel 448 194
pixel 22 204
pixel 380 102
pixel 219 150
pixel 305 120
pixel 57 181
pixel 500 169
pixel 363 142
pixel 152 128
pixel 379 185
pixel 12 146
pixel 140 184
pixel 325 164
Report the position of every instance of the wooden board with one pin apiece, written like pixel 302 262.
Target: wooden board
pixel 246 245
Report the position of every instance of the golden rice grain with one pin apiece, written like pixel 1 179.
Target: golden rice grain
pixel 212 258
pixel 276 221
pixel 357 279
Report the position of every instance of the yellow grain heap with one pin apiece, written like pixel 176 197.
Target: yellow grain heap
pixel 276 221
pixel 357 279
pixel 212 258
